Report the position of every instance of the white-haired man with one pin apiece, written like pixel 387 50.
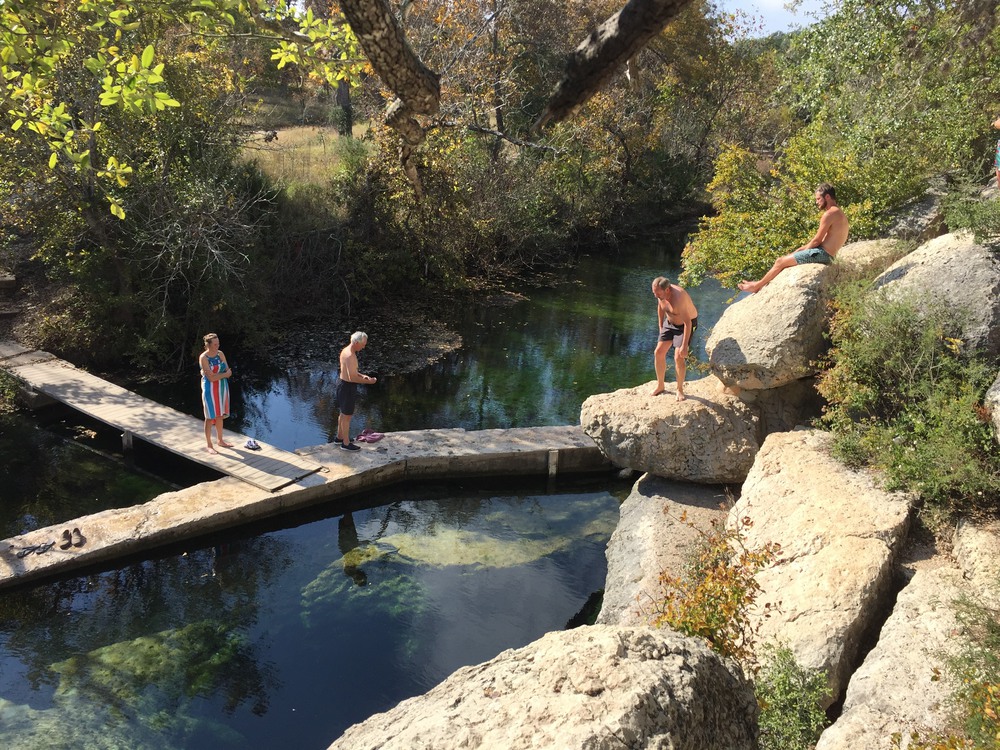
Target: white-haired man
pixel 347 388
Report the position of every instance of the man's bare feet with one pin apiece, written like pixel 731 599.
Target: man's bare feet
pixel 224 444
pixel 681 396
pixel 212 450
pixel 657 391
pixel 750 286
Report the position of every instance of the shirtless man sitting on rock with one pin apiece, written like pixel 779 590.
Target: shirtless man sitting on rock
pixel 678 319
pixel 822 248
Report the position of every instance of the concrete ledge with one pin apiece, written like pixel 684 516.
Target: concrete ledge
pixel 214 506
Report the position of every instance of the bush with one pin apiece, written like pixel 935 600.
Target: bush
pixel 965 209
pixel 717 593
pixel 9 387
pixel 790 698
pixel 905 399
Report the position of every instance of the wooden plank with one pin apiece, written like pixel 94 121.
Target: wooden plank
pixel 270 468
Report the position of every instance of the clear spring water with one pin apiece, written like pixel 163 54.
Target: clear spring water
pixel 285 636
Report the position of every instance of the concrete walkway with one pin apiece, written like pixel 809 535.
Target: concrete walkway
pixel 269 468
pixel 214 506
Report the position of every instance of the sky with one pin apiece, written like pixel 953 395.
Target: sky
pixel 774 15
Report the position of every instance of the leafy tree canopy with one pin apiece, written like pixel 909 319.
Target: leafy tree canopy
pixel 63 64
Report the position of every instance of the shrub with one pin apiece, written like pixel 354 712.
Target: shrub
pixel 965 209
pixel 790 698
pixel 905 399
pixel 9 388
pixel 717 593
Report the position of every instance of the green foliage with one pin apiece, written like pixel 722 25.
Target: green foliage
pixel 717 593
pixel 965 209
pixel 9 387
pixel 905 399
pixel 760 216
pixel 50 53
pixel 878 113
pixel 790 698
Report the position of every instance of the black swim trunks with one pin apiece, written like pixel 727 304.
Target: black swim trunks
pixel 347 394
pixel 675 331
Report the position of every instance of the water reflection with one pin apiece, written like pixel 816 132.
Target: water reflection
pixel 288 637
pixel 45 479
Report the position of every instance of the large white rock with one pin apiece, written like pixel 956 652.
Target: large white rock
pixel 977 549
pixel 838 533
pixel 711 437
pixel 904 685
pixel 659 528
pixel 597 687
pixel 869 257
pixel 955 271
pixel 775 336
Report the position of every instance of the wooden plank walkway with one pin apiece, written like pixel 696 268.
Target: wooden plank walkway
pixel 269 468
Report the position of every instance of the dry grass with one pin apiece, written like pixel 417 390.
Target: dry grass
pixel 299 155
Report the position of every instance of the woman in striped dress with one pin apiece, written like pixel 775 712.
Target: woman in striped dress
pixel 215 375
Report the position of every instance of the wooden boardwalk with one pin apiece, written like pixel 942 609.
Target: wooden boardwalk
pixel 269 468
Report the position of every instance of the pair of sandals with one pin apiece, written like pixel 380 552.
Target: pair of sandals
pixel 252 445
pixel 38 549
pixel 369 436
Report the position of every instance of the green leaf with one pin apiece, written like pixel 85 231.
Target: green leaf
pixel 147 56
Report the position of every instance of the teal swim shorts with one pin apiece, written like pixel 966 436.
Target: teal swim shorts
pixel 813 255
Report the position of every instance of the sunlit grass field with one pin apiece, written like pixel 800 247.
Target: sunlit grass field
pixel 303 154
pixel 295 142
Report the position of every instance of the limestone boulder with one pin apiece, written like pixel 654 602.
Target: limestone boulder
pixel 711 437
pixel 992 404
pixel 839 534
pixel 904 685
pixel 956 270
pixel 596 687
pixel 786 407
pixel 921 219
pixel 977 550
pixel 773 337
pixel 659 526
pixel 868 257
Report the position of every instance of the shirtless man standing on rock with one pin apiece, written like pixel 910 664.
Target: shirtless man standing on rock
pixel 822 248
pixel 678 319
